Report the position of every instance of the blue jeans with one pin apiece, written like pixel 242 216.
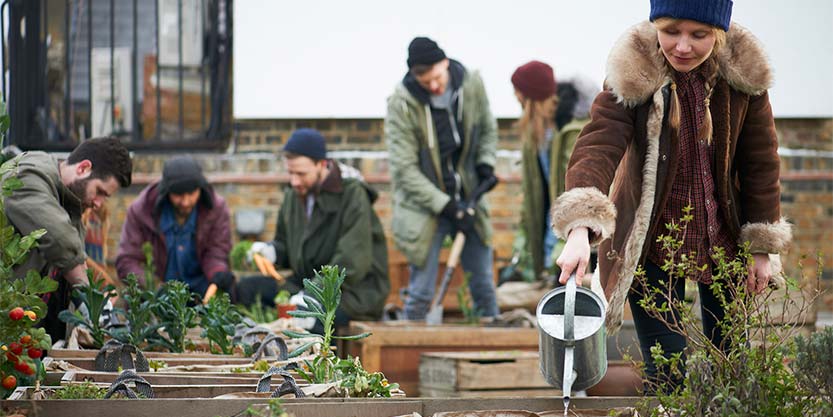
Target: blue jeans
pixel 476 259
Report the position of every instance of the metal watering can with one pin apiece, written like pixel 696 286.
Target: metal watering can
pixel 572 338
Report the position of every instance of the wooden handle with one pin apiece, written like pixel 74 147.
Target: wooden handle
pixel 456 250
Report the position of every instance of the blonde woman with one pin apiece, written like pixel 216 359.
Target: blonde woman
pixel 684 119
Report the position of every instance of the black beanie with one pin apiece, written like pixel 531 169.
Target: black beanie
pixel 181 174
pixel 424 51
pixel 307 142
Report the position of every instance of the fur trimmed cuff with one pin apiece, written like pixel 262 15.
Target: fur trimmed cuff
pixel 767 237
pixel 584 207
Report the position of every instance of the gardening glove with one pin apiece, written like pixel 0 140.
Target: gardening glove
pixel 226 283
pixel 459 216
pixel 264 248
pixel 486 173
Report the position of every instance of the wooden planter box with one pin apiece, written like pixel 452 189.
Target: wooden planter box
pixel 306 407
pixel 395 347
pixel 482 374
pixel 508 373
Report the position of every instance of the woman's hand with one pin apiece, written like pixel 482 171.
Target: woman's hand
pixel 759 273
pixel 575 256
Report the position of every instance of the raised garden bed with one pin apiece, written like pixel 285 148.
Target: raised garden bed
pixel 395 347
pixel 315 407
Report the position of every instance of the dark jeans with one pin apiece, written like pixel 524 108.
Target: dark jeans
pixel 651 331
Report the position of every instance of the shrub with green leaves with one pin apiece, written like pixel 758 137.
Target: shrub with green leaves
pixel 748 376
pixel 322 296
pixel 142 327
pixel 174 314
pixel 217 319
pixel 21 306
pixel 813 366
pixel 95 297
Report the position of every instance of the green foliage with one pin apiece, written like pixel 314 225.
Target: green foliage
pixel 139 314
pixel 813 366
pixel 149 268
pixel 217 319
pixel 274 408
pixel 83 391
pixel 322 296
pixel 362 383
pixel 237 256
pixel 471 315
pixel 747 375
pixel 282 298
pixel 156 365
pixel 22 293
pixel 94 296
pixel 174 315
pixel 258 312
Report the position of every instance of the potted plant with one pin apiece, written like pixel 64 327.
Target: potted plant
pixel 283 305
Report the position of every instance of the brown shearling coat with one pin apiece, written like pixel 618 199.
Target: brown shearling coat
pixel 625 160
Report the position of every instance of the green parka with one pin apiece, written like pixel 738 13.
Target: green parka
pixel 533 209
pixel 418 194
pixel 44 202
pixel 343 230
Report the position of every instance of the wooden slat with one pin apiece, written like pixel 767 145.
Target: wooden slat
pixel 425 391
pixel 485 370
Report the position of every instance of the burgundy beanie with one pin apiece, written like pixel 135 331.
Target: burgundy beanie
pixel 535 80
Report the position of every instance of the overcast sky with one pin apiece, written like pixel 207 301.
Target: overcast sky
pixel 342 58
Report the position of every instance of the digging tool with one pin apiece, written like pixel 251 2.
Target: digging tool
pixel 435 314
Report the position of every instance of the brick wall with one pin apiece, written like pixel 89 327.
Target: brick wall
pixel 252 176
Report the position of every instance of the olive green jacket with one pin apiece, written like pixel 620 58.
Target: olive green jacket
pixel 532 212
pixel 44 202
pixel 343 230
pixel 418 192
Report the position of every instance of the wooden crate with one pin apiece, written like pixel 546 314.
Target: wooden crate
pixel 395 347
pixel 484 373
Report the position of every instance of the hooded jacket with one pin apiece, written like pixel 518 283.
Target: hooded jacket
pixel 343 230
pixel 213 237
pixel 626 158
pixel 44 202
pixel 411 134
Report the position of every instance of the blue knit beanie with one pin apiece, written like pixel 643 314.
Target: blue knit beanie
pixel 307 142
pixel 711 12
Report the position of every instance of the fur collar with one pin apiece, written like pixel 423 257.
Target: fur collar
pixel 636 68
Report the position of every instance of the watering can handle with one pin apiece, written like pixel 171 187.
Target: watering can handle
pixel 570 308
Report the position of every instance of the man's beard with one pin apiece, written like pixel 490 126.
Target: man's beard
pixel 79 189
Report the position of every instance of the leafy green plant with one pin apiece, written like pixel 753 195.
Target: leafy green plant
pixel 95 297
pixel 471 314
pixel 813 366
pixel 274 408
pixel 21 344
pixel 258 312
pixel 282 298
pixel 149 267
pixel 217 319
pixel 139 315
pixel 82 391
pixel 174 314
pixel 237 256
pixel 745 376
pixel 322 296
pixel 156 365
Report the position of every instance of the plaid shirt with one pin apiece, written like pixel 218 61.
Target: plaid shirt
pixel 694 184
